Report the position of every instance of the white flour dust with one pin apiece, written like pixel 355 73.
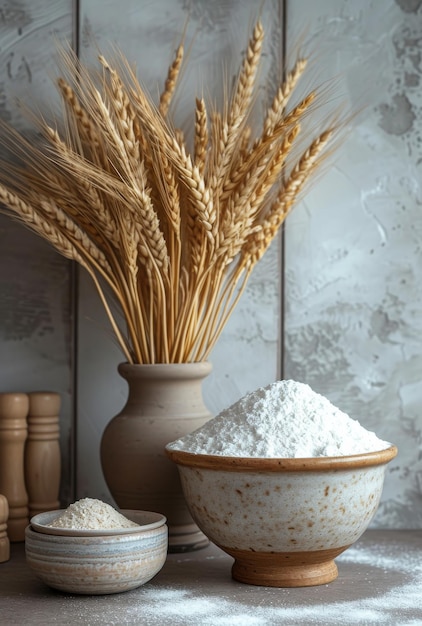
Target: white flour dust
pixel 379 584
pixel 91 514
pixel 286 419
pixel 177 606
pixel 310 606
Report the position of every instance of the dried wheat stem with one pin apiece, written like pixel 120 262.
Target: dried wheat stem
pixel 273 170
pixel 207 305
pixel 136 200
pixel 247 196
pixel 85 126
pixel 230 128
pixel 175 237
pixel 169 194
pixel 199 194
pixel 228 298
pixel 124 115
pixel 157 324
pixel 37 223
pixel 257 244
pixel 115 142
pixel 303 168
pixel 201 135
pixel 237 219
pixel 122 342
pixel 70 244
pixel 61 243
pixel 294 116
pixel 73 232
pixel 179 135
pixel 244 140
pixel 44 174
pixel 281 98
pixel 247 75
pixel 92 205
pixel 151 238
pixel 263 147
pixel 171 81
pixel 154 289
pixel 140 136
pixel 189 312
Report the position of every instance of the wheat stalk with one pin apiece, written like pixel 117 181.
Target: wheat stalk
pixel 201 135
pixel 239 106
pixel 281 98
pixel 171 237
pixel 257 244
pixel 171 81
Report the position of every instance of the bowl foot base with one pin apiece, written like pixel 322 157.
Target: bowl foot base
pixel 270 573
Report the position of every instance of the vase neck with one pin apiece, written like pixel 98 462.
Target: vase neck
pixel 165 371
pixel 166 390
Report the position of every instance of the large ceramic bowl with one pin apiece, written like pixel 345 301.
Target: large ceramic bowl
pixel 92 563
pixel 283 520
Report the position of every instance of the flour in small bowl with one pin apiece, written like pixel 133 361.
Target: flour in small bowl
pixel 285 419
pixel 91 514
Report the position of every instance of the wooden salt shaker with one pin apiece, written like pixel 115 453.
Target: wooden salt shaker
pixel 42 452
pixel 13 433
pixel 4 539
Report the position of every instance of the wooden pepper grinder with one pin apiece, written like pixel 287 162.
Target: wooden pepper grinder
pixel 13 433
pixel 42 452
pixel 4 539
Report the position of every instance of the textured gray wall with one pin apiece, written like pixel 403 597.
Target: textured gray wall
pixel 354 246
pixel 36 342
pixel 353 299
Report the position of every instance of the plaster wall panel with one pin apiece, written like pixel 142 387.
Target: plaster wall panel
pixel 353 298
pixel 35 282
pixel 247 354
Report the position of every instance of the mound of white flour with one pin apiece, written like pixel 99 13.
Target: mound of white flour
pixel 286 419
pixel 91 514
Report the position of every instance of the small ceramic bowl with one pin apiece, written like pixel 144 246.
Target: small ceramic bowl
pixel 94 563
pixel 283 520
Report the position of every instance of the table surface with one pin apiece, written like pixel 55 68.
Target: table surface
pixel 379 582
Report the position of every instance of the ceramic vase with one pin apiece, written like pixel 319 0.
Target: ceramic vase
pixel 165 402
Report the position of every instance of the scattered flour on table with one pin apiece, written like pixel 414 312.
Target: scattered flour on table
pixel 285 419
pixel 385 590
pixel 91 514
pixel 367 599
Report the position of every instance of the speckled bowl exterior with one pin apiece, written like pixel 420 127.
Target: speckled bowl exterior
pixel 97 564
pixel 283 520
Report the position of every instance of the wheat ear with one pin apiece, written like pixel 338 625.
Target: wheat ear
pixel 171 81
pixel 258 243
pixel 201 135
pixel 238 108
pixel 281 98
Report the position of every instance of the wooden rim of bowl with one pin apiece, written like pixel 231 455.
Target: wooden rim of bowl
pixel 259 464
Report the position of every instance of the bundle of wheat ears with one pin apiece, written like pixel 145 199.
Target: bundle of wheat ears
pixel 169 235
